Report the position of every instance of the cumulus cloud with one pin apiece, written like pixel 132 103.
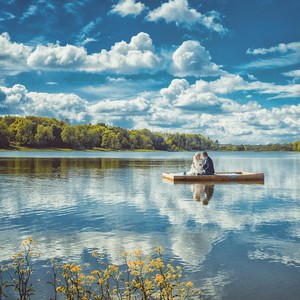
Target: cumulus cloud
pixel 202 106
pixel 196 102
pixel 176 87
pixel 62 106
pixel 17 100
pixel 192 59
pixel 57 57
pixel 12 99
pixel 123 58
pixel 278 56
pixel 128 7
pixel 126 58
pixel 13 56
pixel 136 56
pixel 179 12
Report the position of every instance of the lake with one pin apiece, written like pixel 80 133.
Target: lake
pixel 234 241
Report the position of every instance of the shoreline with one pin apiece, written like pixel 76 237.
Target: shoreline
pixel 29 149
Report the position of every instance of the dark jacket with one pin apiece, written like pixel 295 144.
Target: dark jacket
pixel 208 166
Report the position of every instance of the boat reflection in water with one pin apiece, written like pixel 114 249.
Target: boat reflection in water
pixel 203 192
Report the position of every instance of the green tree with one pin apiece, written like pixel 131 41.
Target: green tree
pixel 44 135
pixel 110 140
pixel 4 134
pixel 296 146
pixel 70 135
pixel 23 132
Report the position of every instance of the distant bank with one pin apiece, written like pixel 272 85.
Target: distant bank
pixel 49 134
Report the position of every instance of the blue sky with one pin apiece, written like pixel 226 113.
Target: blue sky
pixel 229 69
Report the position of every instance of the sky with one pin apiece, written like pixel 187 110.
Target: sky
pixel 228 69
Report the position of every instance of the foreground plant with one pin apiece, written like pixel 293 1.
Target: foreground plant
pixel 21 269
pixel 138 277
pixel 3 283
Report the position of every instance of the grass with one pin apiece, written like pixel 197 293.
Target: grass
pixel 29 149
pixel 96 149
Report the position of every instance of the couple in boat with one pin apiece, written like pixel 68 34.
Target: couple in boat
pixel 201 166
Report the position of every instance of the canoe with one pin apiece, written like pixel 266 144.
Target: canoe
pixel 218 177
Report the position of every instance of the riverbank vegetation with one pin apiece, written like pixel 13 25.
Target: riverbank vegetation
pixel 138 277
pixel 21 133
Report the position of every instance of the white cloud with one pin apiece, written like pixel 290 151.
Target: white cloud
pixel 179 12
pixel 17 100
pixel 293 73
pixel 59 105
pixel 281 48
pixel 57 57
pixel 31 11
pixel 123 58
pixel 12 55
pixel 192 59
pixel 137 56
pixel 88 40
pixel 83 36
pixel 120 107
pixel 176 87
pixel 196 102
pixel 126 58
pixel 278 56
pixel 190 108
pixel 120 87
pixel 128 7
pixel 231 83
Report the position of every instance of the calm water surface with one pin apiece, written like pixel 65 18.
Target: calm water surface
pixel 235 241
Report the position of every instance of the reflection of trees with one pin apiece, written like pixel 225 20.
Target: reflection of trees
pixel 46 167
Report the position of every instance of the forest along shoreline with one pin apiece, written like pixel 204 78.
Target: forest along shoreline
pixel 34 133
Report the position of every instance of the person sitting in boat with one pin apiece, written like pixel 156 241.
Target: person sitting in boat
pixel 208 165
pixel 196 166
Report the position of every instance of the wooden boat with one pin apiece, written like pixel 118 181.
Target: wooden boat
pixel 218 177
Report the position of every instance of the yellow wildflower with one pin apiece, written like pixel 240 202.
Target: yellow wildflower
pixel 95 254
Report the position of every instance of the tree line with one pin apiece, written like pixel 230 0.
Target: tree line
pixel 42 132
